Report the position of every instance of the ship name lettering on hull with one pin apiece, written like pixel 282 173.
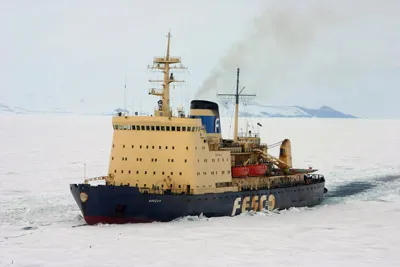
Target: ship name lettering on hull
pixel 256 203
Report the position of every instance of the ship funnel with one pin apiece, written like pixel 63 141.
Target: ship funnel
pixel 208 112
pixel 285 153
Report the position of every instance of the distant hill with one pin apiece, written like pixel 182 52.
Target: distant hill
pixel 248 110
pixel 4 109
pixel 257 110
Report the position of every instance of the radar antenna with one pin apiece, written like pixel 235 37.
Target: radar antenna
pixel 237 95
pixel 164 64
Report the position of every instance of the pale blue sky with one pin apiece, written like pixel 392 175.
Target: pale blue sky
pixel 345 54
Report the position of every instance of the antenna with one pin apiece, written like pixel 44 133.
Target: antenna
pixel 164 64
pixel 125 93
pixel 237 95
pixel 84 171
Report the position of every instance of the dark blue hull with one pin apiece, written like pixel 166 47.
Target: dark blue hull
pixel 123 204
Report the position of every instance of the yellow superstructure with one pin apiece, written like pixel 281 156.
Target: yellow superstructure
pixel 186 153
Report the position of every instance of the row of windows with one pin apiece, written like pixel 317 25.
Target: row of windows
pixel 172 173
pixel 214 172
pixel 152 160
pixel 213 160
pixel 169 160
pixel 157 128
pixel 145 172
pixel 160 147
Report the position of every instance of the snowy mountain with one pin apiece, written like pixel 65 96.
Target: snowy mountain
pixel 245 110
pixel 4 109
pixel 257 110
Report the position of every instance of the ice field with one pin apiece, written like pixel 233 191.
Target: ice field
pixel 356 225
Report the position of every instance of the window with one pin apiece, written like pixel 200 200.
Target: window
pixel 137 127
pixel 140 146
pixel 152 128
pixel 178 128
pixel 145 172
pixel 188 128
pixel 133 127
pixel 187 148
pixel 122 171
pixel 154 173
pixel 166 147
pixel 132 146
pixel 167 128
pixel 129 171
pixel 137 172
pixel 142 127
pixel 152 147
pixel 157 128
pixel 183 129
pixel 159 147
pixel 147 127
pixel 172 173
pixel 112 158
pixel 172 128
pixel 162 173
pixel 162 128
pixel 173 147
pixel 123 146
pixel 115 171
pixel 185 160
pixel 147 147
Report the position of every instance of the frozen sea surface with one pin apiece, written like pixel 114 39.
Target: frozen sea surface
pixel 356 225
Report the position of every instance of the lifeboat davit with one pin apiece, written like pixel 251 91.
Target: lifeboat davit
pixel 257 169
pixel 240 171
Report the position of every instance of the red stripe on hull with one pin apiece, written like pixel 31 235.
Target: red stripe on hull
pixel 91 220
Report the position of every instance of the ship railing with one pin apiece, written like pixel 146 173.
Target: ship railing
pixel 161 60
pixel 99 178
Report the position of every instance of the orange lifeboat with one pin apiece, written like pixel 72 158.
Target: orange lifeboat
pixel 240 171
pixel 257 169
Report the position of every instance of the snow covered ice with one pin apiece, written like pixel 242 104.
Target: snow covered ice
pixel 356 225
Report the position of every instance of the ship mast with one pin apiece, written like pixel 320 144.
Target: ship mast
pixel 236 95
pixel 164 64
